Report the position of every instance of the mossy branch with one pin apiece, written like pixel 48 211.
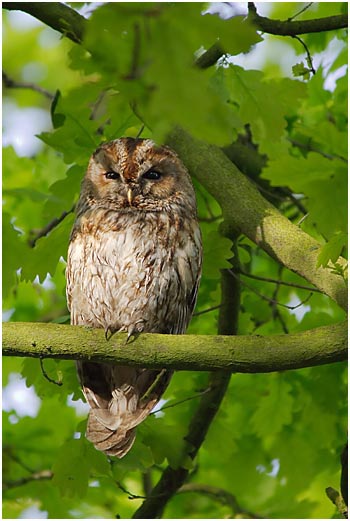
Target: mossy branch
pixel 245 209
pixel 243 354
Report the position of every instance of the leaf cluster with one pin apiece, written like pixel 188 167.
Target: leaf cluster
pixel 275 442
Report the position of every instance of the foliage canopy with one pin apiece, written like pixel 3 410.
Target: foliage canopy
pixel 275 442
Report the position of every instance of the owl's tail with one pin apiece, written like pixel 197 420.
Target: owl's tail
pixel 120 398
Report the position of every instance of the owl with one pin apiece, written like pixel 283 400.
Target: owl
pixel 133 265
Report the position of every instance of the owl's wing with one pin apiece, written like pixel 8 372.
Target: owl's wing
pixel 189 270
pixel 185 311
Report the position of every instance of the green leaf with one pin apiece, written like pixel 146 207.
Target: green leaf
pixel 274 409
pixel 299 69
pixel 217 251
pixel 71 469
pixel 321 180
pixel 64 193
pixel 60 371
pixel 332 250
pixel 236 35
pixel 155 433
pixel 263 104
pixel 46 254
pixel 14 250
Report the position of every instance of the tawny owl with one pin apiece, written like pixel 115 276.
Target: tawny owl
pixel 133 265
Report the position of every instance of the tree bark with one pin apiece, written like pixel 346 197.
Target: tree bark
pixel 245 209
pixel 243 354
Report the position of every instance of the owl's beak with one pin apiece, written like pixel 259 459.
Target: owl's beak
pixel 129 195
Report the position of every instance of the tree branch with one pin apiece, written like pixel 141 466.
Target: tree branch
pixel 244 354
pixel 36 476
pixel 338 501
pixel 278 28
pixel 71 24
pixel 245 208
pixel 12 84
pixel 38 234
pixel 219 494
pixel 56 15
pixel 292 28
pixel 279 282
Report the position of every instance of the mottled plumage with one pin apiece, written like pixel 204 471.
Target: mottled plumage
pixel 133 265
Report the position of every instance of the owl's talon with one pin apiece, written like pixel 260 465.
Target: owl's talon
pixel 134 331
pixel 131 334
pixel 110 331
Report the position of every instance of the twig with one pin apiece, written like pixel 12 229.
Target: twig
pixel 219 494
pixel 206 203
pixel 300 222
pixel 310 148
pixel 134 67
pixel 9 452
pixel 301 11
pixel 282 282
pixel 295 201
pixel 96 105
pixel 36 476
pixel 275 310
pixel 59 382
pixel 147 482
pixel 209 219
pixel 271 300
pixel 338 501
pixel 198 395
pixel 140 131
pixel 130 494
pixel 12 84
pixel 214 308
pixel 309 58
pixel 49 227
pixel 344 473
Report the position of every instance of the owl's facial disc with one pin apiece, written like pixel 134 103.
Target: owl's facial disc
pixel 135 174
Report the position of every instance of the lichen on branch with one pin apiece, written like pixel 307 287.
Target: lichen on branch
pixel 244 354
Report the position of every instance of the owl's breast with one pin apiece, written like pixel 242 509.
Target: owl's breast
pixel 137 275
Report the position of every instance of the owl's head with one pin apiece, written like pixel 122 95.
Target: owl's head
pixel 135 174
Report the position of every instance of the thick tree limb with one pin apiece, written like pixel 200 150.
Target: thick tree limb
pixel 245 208
pixel 67 21
pixel 244 354
pixel 57 15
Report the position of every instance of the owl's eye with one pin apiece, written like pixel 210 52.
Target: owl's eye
pixel 152 175
pixel 112 175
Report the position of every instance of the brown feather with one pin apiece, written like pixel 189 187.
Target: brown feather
pixel 133 265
